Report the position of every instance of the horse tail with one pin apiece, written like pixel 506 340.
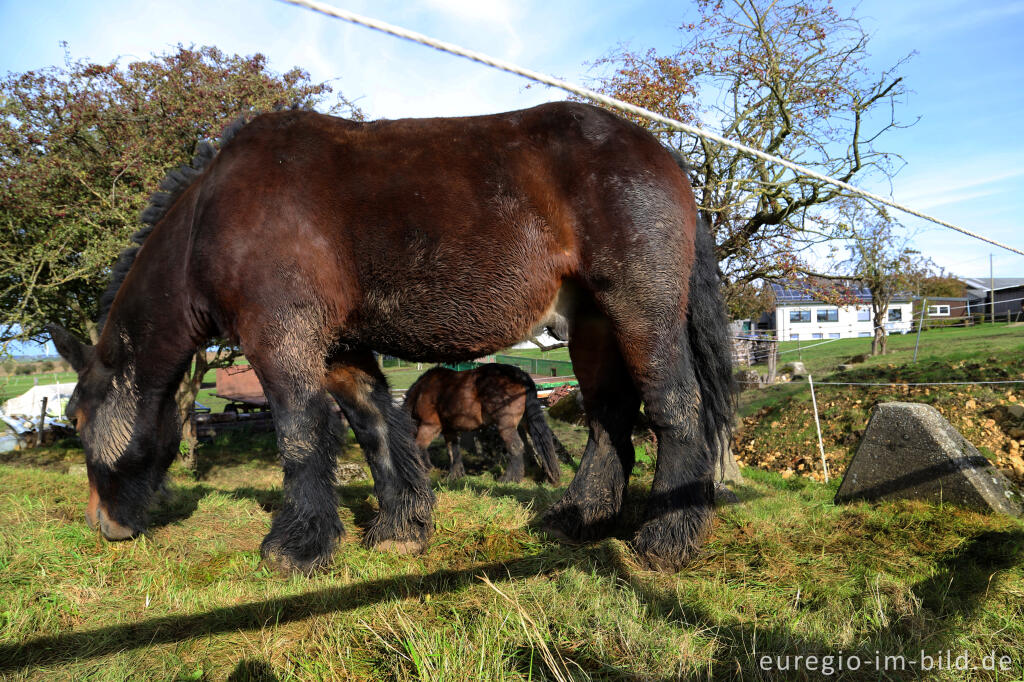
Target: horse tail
pixel 541 435
pixel 708 334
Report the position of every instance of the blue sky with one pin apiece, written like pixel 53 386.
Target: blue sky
pixel 964 156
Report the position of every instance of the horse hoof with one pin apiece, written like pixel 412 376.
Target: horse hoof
pixel 401 546
pixel 558 535
pixel 673 540
pixel 281 563
pixel 509 477
pixel 456 474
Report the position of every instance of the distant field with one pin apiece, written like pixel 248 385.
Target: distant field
pixel 12 386
pixel 398 377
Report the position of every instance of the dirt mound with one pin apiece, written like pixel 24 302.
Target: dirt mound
pixel 782 437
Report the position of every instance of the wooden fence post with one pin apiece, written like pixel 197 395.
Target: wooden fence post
pixel 42 422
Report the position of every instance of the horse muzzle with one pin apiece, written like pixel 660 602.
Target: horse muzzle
pixel 97 517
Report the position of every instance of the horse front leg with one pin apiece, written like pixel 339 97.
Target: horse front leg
pixel 593 501
pixel 384 432
pixel 305 531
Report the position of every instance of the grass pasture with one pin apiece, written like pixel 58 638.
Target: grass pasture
pixel 785 573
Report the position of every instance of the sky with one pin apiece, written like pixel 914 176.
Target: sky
pixel 966 78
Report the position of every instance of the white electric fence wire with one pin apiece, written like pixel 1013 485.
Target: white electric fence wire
pixel 673 124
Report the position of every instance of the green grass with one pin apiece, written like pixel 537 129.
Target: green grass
pixel 786 572
pixel 13 386
pixel 939 351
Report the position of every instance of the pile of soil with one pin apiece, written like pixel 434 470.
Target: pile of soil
pixel 782 437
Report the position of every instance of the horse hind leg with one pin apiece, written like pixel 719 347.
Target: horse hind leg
pixel 593 501
pixel 384 432
pixel 681 503
pixel 514 445
pixel 456 469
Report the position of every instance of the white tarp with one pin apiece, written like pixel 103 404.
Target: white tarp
pixel 544 338
pixel 29 403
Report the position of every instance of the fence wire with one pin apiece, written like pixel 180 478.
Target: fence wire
pixel 451 48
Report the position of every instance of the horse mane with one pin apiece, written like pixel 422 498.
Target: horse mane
pixel 172 187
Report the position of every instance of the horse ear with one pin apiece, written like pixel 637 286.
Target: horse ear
pixel 70 348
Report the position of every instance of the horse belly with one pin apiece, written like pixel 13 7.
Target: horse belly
pixel 432 321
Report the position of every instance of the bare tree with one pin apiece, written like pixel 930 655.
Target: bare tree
pixel 881 260
pixel 785 77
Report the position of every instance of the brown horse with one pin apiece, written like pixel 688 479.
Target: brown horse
pixel 443 401
pixel 313 241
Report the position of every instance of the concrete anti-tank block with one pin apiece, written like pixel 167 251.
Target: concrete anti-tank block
pixel 909 451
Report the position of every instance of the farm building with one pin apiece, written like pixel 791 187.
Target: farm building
pixel 1008 291
pixel 942 307
pixel 800 316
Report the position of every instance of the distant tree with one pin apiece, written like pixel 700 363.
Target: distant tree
pixel 939 284
pixel 788 77
pixel 882 260
pixel 747 300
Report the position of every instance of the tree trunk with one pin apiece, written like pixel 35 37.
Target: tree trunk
pixel 185 397
pixel 878 340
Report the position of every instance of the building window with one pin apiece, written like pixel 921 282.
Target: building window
pixel 794 337
pixel 828 315
pixel 816 336
pixel 863 334
pixel 833 335
pixel 895 314
pixel 938 311
pixel 863 314
pixel 799 316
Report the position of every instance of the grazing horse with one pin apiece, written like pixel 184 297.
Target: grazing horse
pixel 313 241
pixel 443 401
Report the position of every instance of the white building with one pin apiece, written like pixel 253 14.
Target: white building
pixel 799 316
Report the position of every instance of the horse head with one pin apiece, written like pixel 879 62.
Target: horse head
pixel 125 436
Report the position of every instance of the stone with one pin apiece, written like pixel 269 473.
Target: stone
pixel 350 471
pixel 1016 411
pixel 909 451
pixel 748 377
pixel 845 367
pixel 796 369
pixel 727 469
pixel 569 409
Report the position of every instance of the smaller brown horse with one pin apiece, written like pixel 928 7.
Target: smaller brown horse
pixel 446 402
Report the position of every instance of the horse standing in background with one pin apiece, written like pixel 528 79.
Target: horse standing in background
pixel 443 401
pixel 313 241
